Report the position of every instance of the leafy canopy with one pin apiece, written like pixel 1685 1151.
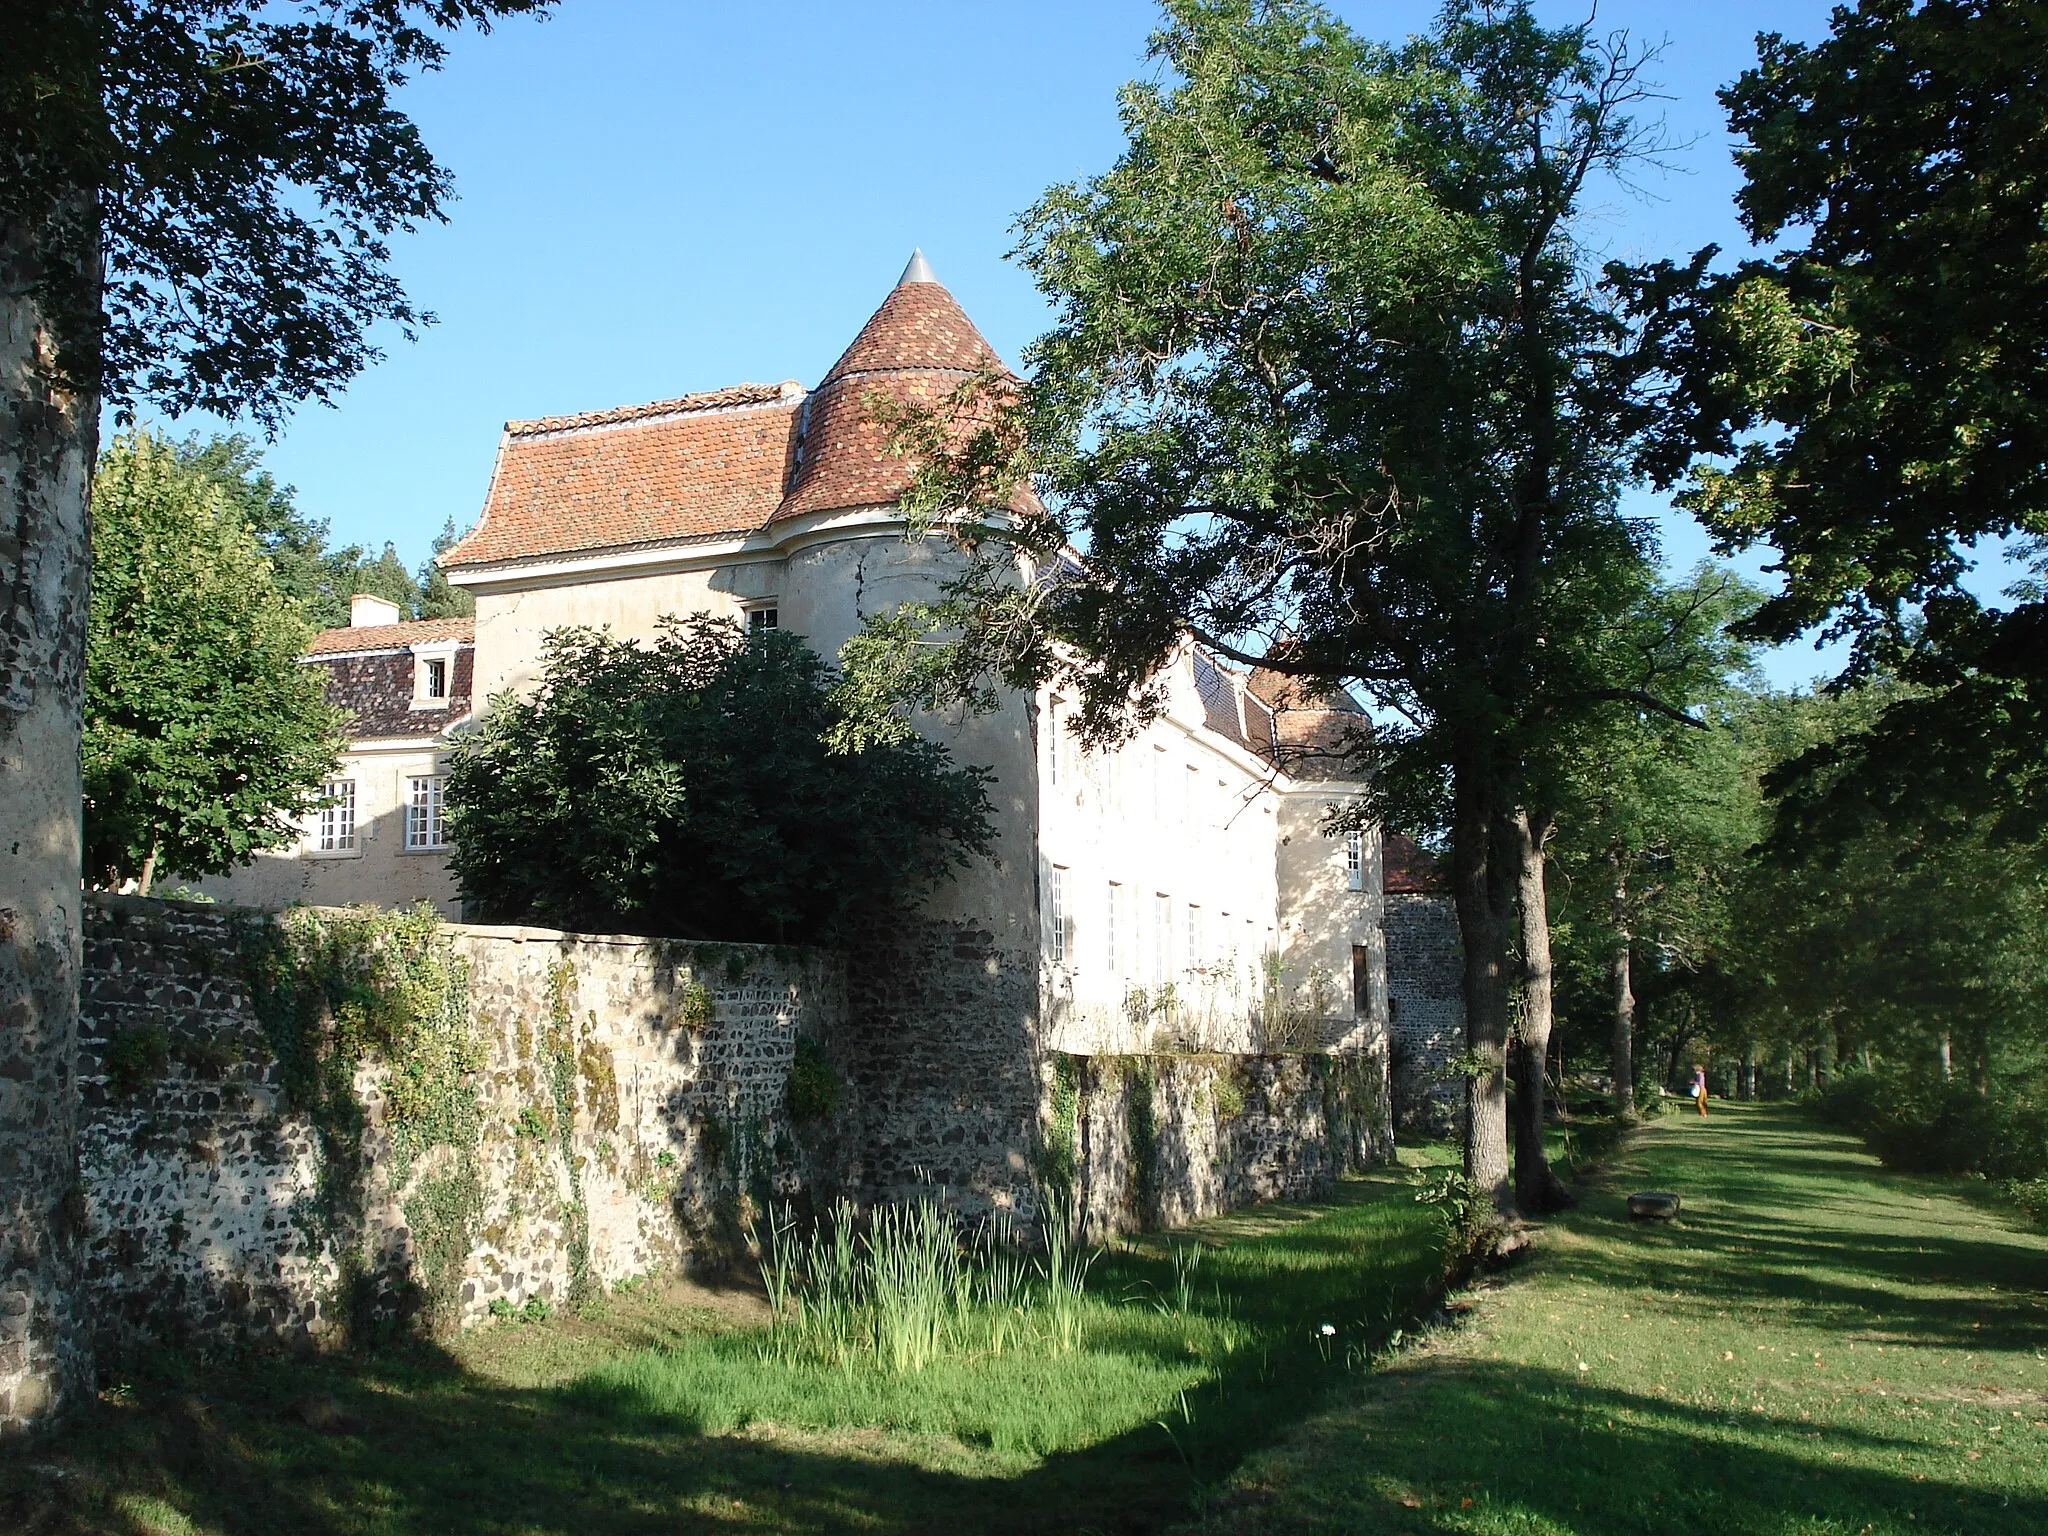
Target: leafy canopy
pixel 683 787
pixel 1870 401
pixel 204 735
pixel 215 183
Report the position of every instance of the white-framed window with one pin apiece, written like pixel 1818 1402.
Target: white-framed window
pixel 433 674
pixel 335 827
pixel 1162 939
pixel 1052 743
pixel 425 827
pixel 1058 922
pixel 1111 916
pixel 763 617
pixel 1190 795
pixel 1159 784
pixel 1354 861
pixel 1194 937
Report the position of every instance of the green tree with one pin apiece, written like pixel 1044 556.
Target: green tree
pixel 1653 815
pixel 439 597
pixel 387 577
pixel 1334 390
pixel 205 736
pixel 1868 400
pixel 302 566
pixel 196 210
pixel 683 787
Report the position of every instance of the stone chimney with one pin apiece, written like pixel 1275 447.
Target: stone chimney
pixel 365 611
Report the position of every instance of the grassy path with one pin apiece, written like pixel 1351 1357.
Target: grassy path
pixel 1817 1346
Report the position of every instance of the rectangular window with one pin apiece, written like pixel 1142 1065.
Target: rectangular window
pixel 424 824
pixel 760 620
pixel 1052 743
pixel 337 830
pixel 1159 783
pixel 1110 916
pixel 1162 939
pixel 1190 796
pixel 1194 937
pixel 1056 920
pixel 1361 981
pixel 436 680
pixel 1354 861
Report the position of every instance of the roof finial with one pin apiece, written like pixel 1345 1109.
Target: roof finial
pixel 919 270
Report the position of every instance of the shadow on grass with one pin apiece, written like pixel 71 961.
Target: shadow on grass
pixel 1787 1212
pixel 1496 1446
pixel 427 1446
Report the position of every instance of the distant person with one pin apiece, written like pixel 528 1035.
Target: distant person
pixel 1699 1088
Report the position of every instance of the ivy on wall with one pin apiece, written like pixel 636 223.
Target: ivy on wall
pixel 337 991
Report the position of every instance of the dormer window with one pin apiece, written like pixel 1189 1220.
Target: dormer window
pixel 433 675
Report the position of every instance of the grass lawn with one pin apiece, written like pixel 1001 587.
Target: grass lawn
pixel 671 1413
pixel 1816 1346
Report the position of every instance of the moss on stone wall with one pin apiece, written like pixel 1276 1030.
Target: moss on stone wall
pixel 558 1054
pixel 337 991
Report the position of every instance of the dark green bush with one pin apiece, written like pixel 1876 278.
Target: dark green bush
pixel 1920 1124
pixel 683 787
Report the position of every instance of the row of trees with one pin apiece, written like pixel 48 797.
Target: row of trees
pixel 1338 386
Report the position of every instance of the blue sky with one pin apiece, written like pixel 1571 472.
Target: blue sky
pixel 660 196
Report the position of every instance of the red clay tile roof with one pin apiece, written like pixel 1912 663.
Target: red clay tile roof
pixel 391 637
pixel 1314 729
pixel 920 326
pixel 694 467
pixel 917 348
pixel 1408 868
pixel 729 461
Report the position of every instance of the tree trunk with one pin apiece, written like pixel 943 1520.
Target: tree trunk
pixel 1537 1187
pixel 1475 881
pixel 1948 1060
pixel 1980 1060
pixel 48 438
pixel 1748 1078
pixel 148 876
pixel 1624 996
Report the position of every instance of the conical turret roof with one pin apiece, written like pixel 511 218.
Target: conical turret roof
pixel 914 350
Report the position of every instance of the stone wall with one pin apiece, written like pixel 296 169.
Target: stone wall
pixel 579 1109
pixel 1160 1140
pixel 938 1050
pixel 618 1095
pixel 1426 1002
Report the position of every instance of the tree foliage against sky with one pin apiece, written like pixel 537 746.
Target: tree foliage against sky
pixel 1871 399
pixel 205 735
pixel 238 168
pixel 683 787
pixel 1335 389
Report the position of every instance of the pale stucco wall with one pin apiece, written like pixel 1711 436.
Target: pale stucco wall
pixel 1183 827
pixel 828 588
pixel 1323 919
pixel 510 625
pixel 380 871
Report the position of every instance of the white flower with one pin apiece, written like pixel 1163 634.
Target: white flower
pixel 1328 1330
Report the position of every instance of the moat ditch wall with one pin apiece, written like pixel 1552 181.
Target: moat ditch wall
pixel 300 1129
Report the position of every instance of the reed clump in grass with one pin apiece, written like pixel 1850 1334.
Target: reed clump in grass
pixel 908 1287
